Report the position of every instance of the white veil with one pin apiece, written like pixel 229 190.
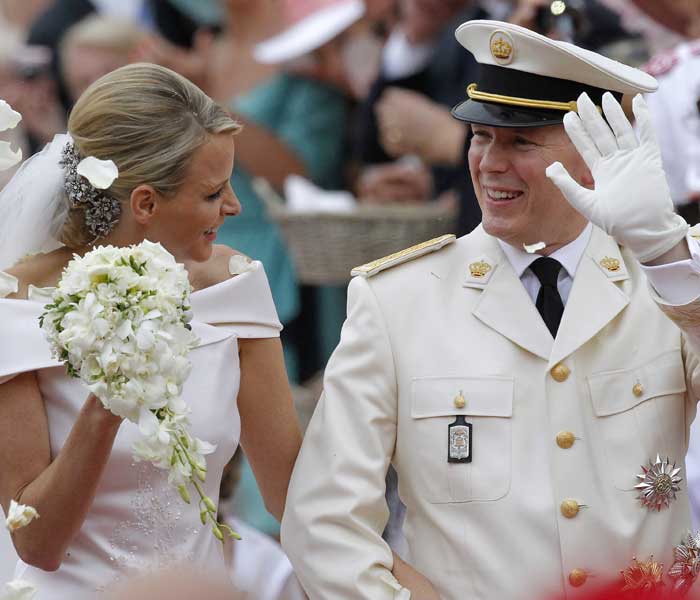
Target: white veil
pixel 32 205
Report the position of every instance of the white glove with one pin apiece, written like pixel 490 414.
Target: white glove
pixel 631 200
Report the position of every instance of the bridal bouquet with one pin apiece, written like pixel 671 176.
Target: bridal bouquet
pixel 119 320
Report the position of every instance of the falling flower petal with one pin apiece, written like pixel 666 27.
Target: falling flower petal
pixel 8 158
pixel 19 515
pixel 532 248
pixel 100 173
pixel 8 117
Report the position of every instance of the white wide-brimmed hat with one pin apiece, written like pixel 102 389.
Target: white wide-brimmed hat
pixel 309 24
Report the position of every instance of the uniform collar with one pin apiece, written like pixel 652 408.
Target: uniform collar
pixel 569 256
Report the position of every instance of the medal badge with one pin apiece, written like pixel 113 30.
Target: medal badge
pixel 659 483
pixel 643 576
pixel 459 441
pixel 686 562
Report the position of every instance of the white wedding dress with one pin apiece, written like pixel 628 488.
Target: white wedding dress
pixel 137 521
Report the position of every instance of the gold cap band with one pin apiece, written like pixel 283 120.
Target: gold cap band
pixel 474 94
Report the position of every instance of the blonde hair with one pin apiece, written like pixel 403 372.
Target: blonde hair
pixel 148 120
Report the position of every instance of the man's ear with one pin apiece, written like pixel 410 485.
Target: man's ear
pixel 144 203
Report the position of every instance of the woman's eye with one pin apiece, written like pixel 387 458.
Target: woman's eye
pixel 216 195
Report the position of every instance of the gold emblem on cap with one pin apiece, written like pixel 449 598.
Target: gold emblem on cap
pixel 502 47
pixel 479 269
pixel 460 401
pixel 610 264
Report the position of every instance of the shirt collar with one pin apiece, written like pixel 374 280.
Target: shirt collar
pixel 569 256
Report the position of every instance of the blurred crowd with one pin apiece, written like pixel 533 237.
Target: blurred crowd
pixel 350 95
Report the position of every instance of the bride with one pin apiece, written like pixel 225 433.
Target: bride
pixel 102 516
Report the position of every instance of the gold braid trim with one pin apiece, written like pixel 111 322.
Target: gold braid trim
pixel 475 94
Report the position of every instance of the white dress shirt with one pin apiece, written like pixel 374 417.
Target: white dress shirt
pixel 677 283
pixel 569 256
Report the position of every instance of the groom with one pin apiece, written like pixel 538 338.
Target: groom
pixel 532 382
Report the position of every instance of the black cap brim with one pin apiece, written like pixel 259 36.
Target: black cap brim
pixel 501 115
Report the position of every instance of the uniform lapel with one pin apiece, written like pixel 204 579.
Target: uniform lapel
pixel 504 304
pixel 595 299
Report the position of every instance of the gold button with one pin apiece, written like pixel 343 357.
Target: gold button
pixel 460 402
pixel 569 508
pixel 560 372
pixel 577 577
pixel 638 389
pixel 565 439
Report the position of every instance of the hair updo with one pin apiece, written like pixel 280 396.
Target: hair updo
pixel 148 120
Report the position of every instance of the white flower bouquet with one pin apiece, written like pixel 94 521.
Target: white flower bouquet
pixel 119 321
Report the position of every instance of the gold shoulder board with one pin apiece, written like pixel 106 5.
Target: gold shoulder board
pixel 374 267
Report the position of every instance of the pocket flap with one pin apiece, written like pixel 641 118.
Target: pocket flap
pixel 613 392
pixel 483 396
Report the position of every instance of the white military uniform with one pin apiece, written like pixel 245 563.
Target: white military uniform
pixel 532 512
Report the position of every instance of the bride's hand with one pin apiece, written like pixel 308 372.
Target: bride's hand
pixel 93 406
pixel 416 582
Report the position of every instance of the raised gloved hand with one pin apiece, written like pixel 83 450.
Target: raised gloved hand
pixel 631 200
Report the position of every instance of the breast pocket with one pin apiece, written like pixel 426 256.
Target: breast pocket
pixel 488 407
pixel 640 413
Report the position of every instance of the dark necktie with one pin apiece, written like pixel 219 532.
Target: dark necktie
pixel 548 302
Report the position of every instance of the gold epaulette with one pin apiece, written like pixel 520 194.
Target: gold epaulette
pixel 374 267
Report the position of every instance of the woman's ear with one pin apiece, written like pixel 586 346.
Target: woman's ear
pixel 144 203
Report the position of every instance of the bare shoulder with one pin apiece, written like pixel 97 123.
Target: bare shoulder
pixel 40 270
pixel 215 270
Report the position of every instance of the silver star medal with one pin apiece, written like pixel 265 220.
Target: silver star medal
pixel 686 562
pixel 659 484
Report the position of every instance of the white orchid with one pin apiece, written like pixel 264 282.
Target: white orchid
pixel 19 515
pixel 17 589
pixel 119 320
pixel 100 173
pixel 9 118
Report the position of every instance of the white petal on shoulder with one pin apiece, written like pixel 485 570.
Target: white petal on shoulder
pixel 242 304
pixel 239 263
pixel 8 284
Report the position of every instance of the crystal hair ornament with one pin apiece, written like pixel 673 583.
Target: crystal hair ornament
pixel 84 180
